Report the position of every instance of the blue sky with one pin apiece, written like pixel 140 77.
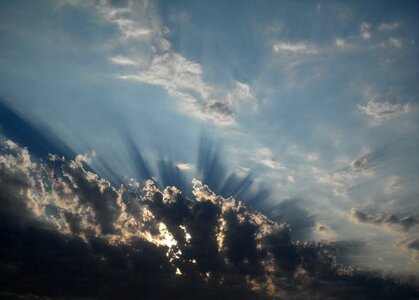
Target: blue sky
pixel 317 99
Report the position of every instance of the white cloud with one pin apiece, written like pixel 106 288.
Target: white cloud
pixel 395 42
pixel 365 30
pixel 148 48
pixel 124 61
pixel 383 111
pixel 131 29
pixel 240 95
pixel 183 166
pixel 273 164
pixel 340 43
pixel 266 158
pixel 85 158
pixel 299 47
pixel 313 157
pixel 393 185
pixel 173 72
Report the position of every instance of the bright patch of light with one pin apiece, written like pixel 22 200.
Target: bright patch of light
pixel 188 237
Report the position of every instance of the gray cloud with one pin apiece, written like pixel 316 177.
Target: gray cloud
pixel 70 234
pixel 405 223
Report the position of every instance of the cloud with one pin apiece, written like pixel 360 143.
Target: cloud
pixel 67 233
pixel 160 66
pixel 411 246
pixel 392 221
pixel 395 42
pixel 183 166
pixel 124 61
pixel 388 26
pixel 324 231
pixel 267 158
pixel 383 111
pixel 364 28
pixel 393 184
pixel 240 95
pixel 300 47
pixel 341 43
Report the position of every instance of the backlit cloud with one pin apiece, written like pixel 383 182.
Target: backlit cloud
pixel 118 236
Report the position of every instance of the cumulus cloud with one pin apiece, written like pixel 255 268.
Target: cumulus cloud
pixel 67 233
pixel 383 111
pixel 392 221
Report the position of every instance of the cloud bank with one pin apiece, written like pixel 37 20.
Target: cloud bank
pixel 67 233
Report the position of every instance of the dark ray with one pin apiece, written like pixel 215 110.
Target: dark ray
pixel 39 140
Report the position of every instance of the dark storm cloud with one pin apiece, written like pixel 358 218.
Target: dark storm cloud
pixel 405 223
pixel 76 236
pixel 95 192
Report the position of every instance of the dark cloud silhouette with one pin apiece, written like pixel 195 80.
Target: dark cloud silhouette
pixel 71 234
pixel 405 223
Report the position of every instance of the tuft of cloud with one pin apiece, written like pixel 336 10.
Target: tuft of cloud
pixel 383 111
pixel 124 61
pixel 324 231
pixel 395 42
pixel 364 29
pixel 183 166
pixel 241 96
pixel 388 26
pixel 299 47
pixel 392 221
pixel 267 159
pixel 393 184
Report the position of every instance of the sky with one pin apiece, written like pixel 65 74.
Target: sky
pixel 293 124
